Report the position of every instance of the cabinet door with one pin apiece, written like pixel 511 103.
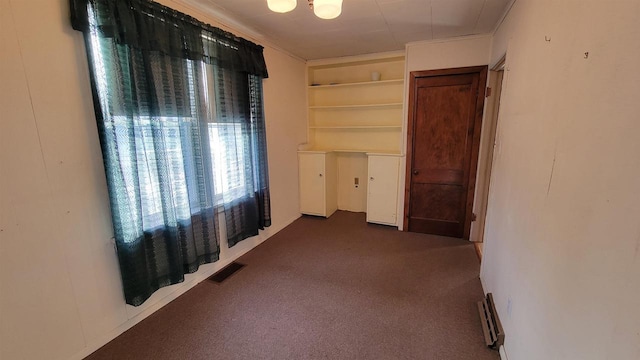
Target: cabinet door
pixel 312 184
pixel 382 196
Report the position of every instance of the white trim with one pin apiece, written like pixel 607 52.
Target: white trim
pixel 503 353
pixel 198 277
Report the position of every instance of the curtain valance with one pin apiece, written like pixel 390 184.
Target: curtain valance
pixel 149 26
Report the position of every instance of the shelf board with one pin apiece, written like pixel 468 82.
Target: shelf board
pixel 368 59
pixel 368 151
pixel 360 106
pixel 393 81
pixel 360 151
pixel 358 127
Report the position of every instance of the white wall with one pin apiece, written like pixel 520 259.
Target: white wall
pixel 451 53
pixel 60 293
pixel 435 55
pixel 563 230
pixel 350 167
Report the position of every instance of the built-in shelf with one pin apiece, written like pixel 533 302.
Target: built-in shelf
pixel 379 82
pixel 355 131
pixel 358 127
pixel 347 110
pixel 356 106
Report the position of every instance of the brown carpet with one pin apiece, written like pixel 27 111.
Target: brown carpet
pixel 335 288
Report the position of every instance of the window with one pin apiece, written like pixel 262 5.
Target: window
pixel 229 182
pixel 179 111
pixel 227 154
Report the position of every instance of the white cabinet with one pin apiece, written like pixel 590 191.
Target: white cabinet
pixel 382 195
pixel 318 183
pixel 318 176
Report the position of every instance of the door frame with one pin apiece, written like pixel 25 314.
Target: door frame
pixel 496 76
pixel 473 166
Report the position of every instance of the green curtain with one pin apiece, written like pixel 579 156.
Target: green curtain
pixel 179 110
pixel 240 124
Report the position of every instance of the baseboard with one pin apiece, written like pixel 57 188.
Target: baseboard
pixel 484 287
pixel 181 289
pixel 478 247
pixel 503 353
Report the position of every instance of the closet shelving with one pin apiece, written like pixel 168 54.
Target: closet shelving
pixel 353 156
pixel 350 111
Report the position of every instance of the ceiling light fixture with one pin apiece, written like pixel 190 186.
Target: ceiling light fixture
pixel 324 9
pixel 281 6
pixel 327 9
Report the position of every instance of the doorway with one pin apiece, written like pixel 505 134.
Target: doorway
pixel 487 151
pixel 443 141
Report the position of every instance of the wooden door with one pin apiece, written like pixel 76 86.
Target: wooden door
pixel 382 191
pixel 445 118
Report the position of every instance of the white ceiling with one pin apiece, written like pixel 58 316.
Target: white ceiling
pixel 365 26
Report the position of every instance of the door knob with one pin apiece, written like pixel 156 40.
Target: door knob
pixel 415 172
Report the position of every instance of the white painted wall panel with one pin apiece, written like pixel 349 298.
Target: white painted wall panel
pixel 34 300
pixel 562 247
pixel 452 53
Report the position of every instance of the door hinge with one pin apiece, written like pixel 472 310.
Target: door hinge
pixel 474 217
pixel 488 92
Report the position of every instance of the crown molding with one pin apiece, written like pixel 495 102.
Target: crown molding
pixel 230 24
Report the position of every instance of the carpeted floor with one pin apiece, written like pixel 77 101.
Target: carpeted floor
pixel 335 288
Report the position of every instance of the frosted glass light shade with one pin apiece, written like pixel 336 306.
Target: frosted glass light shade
pixel 327 9
pixel 281 6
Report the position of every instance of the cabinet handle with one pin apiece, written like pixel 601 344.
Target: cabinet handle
pixel 320 175
pixel 415 172
pixel 371 178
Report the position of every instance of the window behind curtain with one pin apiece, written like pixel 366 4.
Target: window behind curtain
pixel 179 111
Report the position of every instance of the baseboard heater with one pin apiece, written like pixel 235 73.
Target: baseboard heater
pixel 491 326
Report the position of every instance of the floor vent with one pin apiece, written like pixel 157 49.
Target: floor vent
pixel 225 272
pixel 491 326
